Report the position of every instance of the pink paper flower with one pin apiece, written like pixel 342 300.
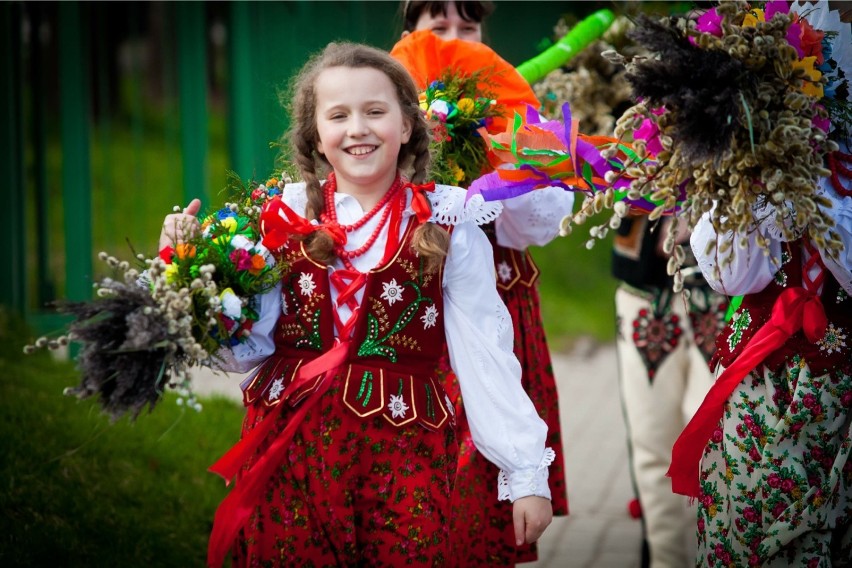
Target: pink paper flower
pixel 710 22
pixel 650 133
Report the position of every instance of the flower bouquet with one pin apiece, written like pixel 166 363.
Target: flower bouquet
pixel 465 86
pixel 735 116
pixel 455 109
pixel 153 319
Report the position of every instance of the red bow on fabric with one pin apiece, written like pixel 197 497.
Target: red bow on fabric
pixel 795 309
pixel 278 223
pixel 419 202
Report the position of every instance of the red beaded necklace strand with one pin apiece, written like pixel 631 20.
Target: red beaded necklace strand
pixel 836 166
pixel 330 216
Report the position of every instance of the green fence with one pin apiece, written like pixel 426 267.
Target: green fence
pixel 116 111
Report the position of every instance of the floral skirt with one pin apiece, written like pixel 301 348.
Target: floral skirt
pixel 351 492
pixel 776 478
pixel 482 530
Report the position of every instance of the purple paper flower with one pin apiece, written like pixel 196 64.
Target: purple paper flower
pixel 775 7
pixel 650 133
pixel 710 22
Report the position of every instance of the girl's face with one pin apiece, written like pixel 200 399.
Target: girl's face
pixel 451 26
pixel 361 127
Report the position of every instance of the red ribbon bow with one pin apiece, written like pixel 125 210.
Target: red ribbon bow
pixel 278 223
pixel 795 309
pixel 419 202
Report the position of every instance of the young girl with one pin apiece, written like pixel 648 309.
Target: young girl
pixel 349 452
pixel 482 525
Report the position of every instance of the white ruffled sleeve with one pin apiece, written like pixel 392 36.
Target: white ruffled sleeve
pixel 503 421
pixel 841 212
pixel 533 218
pixel 749 271
pixel 450 206
pixel 245 356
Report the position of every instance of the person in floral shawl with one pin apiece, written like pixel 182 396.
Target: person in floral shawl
pixel 774 434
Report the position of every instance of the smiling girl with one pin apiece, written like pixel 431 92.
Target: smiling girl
pixel 349 452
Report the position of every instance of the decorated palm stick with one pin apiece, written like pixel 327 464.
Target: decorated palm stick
pixel 584 33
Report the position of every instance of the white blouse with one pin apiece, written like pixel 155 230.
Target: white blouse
pixel 533 219
pixel 504 424
pixel 750 270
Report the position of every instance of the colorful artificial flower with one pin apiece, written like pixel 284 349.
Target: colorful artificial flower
pixel 149 327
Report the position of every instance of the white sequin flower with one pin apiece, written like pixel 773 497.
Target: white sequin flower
pixel 276 388
pixel 504 271
pixel 392 291
pixel 430 317
pixel 307 284
pixel 833 341
pixel 450 406
pixel 397 406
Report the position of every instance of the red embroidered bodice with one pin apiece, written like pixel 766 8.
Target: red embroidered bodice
pixel 396 340
pixel 513 267
pixel 833 351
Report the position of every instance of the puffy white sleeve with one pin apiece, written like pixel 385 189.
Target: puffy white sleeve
pixel 749 271
pixel 245 356
pixel 841 212
pixel 533 218
pixel 503 421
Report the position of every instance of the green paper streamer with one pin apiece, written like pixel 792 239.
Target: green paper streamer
pixel 733 306
pixel 584 33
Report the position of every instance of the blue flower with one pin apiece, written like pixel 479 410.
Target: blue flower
pixel 274 191
pixel 436 85
pixel 224 213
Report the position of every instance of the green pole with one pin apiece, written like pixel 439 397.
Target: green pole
pixel 76 167
pixel 242 126
pixel 192 93
pixel 13 277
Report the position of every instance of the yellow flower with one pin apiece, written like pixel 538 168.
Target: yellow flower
pixel 712 511
pixel 752 18
pixel 458 173
pixel 810 86
pixel 229 223
pixel 466 105
pixel 423 104
pixel 171 272
pixel 272 182
pixel 729 473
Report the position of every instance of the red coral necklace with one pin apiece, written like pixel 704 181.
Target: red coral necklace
pixel 836 163
pixel 330 216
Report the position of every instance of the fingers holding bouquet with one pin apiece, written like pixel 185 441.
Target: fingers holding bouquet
pixel 180 227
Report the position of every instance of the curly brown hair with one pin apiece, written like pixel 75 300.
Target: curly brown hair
pixel 430 241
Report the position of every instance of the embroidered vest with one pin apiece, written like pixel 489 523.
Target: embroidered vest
pixel 513 267
pixel 396 341
pixel 832 351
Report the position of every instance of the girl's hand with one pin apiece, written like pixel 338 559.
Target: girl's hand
pixel 179 227
pixel 531 516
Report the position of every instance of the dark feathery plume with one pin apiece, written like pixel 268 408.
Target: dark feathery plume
pixel 700 87
pixel 111 366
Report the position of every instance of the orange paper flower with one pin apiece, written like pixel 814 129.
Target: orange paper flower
pixel 426 56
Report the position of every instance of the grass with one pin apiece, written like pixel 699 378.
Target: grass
pixel 81 491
